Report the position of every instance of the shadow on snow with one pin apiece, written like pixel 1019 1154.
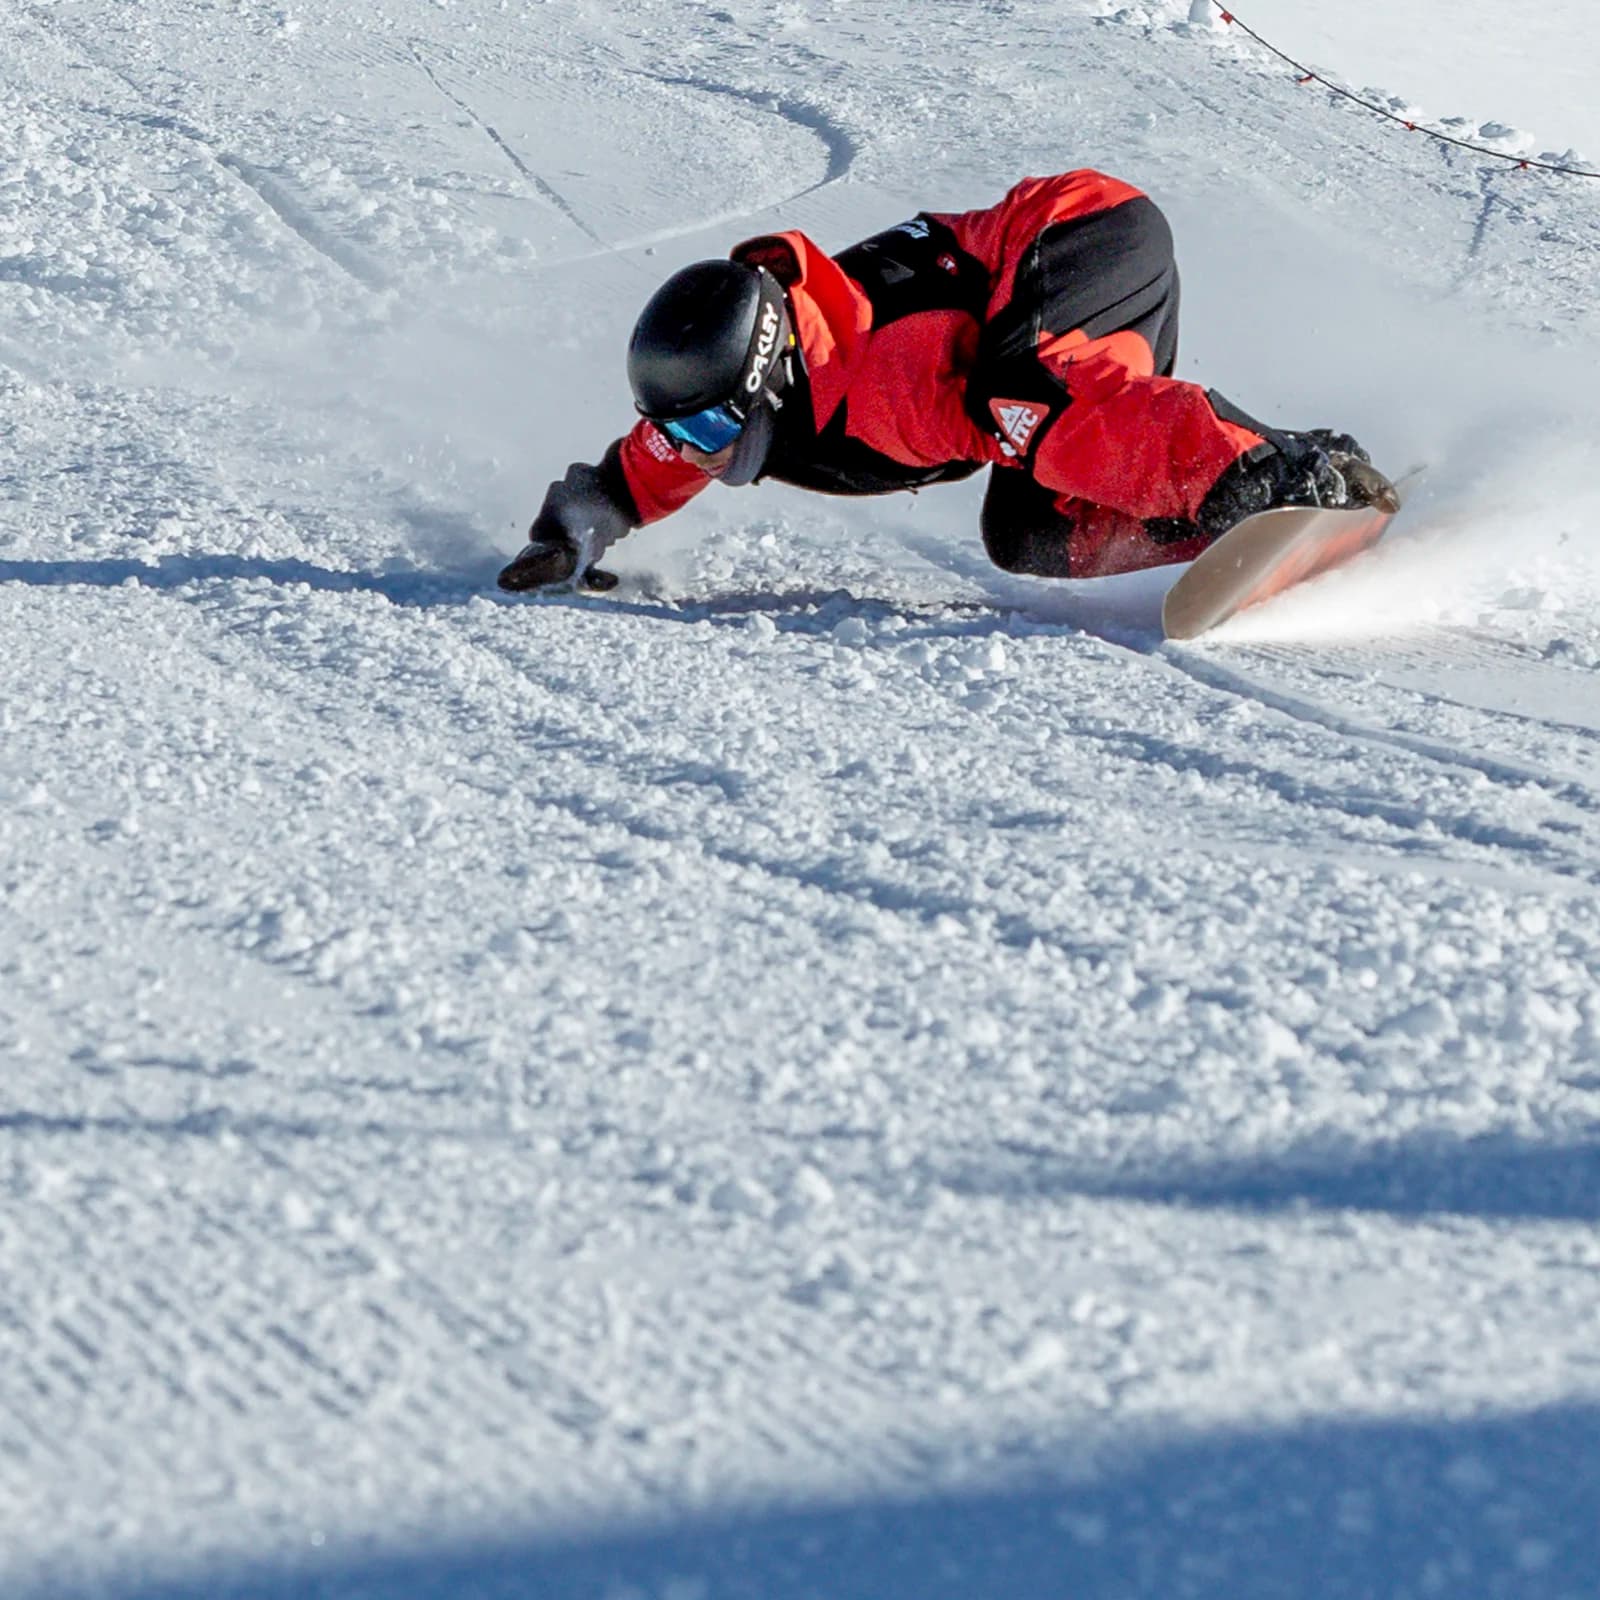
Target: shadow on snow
pixel 1492 1176
pixel 407 586
pixel 812 610
pixel 1500 1508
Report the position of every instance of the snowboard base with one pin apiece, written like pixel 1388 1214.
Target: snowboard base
pixel 1264 555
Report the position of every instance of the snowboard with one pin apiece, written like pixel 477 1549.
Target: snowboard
pixel 1270 552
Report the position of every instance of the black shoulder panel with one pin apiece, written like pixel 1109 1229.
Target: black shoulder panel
pixel 916 266
pixel 833 463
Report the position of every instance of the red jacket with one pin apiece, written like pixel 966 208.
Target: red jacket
pixel 887 366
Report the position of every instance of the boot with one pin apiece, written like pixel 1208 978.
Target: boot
pixel 1316 468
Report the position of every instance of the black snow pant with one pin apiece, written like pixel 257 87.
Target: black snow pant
pixel 1110 272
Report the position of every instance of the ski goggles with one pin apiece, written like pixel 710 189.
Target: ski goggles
pixel 708 431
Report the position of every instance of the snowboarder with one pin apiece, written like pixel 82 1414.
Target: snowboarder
pixel 1037 337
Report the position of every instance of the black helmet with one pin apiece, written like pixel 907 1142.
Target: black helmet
pixel 715 335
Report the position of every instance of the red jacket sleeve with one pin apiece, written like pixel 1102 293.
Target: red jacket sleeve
pixel 659 479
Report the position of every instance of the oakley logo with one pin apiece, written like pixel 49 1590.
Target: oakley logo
pixel 1017 421
pixel 766 348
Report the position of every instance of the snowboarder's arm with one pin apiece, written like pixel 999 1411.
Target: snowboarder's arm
pixel 656 479
pixel 640 479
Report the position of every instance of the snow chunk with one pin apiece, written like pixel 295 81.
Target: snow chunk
pixel 1470 1476
pixel 835 1275
pixel 1042 1354
pixel 983 656
pixel 1535 1555
pixel 1275 1041
pixel 1084 1527
pixel 1432 1018
pixel 739 1197
pixel 807 1193
pixel 1532 1016
pixel 1502 133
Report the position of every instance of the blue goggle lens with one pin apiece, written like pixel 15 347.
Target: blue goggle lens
pixel 710 430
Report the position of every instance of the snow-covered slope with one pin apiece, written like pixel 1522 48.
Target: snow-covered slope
pixel 1519 71
pixel 832 1071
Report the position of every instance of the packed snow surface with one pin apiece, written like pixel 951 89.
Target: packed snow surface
pixel 1475 66
pixel 829 1071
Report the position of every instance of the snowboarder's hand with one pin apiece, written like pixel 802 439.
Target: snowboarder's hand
pixel 579 509
pixel 578 521
pixel 547 560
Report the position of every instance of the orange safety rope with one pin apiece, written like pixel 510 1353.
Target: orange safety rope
pixel 1305 74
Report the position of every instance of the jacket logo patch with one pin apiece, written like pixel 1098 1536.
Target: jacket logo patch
pixel 658 444
pixel 1018 421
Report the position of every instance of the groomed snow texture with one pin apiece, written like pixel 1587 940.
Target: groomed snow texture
pixel 830 1073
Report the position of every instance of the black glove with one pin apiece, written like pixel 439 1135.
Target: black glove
pixel 579 521
pixel 1336 444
